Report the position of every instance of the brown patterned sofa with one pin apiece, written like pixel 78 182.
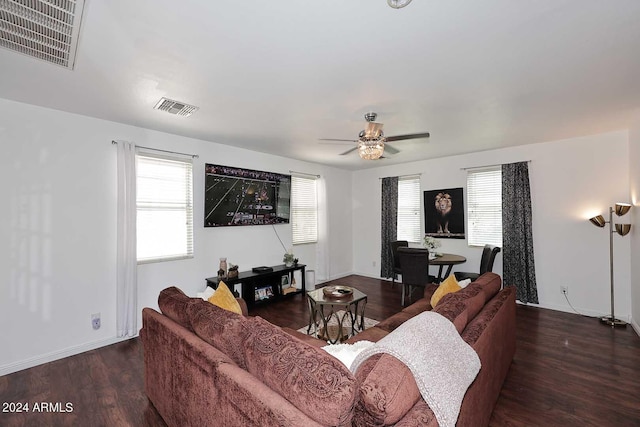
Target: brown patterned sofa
pixel 205 366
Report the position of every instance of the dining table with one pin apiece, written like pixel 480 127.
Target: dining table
pixel 446 260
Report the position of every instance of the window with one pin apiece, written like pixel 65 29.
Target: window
pixel 409 209
pixel 304 210
pixel 484 206
pixel 164 208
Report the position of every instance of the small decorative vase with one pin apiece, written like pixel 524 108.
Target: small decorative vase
pixel 223 268
pixel 288 264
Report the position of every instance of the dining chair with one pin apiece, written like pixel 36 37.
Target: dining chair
pixel 395 244
pixel 486 263
pixel 414 263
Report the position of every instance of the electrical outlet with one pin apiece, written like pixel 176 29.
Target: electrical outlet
pixel 95 321
pixel 564 290
pixel 373 263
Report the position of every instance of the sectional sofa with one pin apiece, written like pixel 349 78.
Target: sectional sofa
pixel 205 366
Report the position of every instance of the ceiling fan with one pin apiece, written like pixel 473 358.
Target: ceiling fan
pixel 372 143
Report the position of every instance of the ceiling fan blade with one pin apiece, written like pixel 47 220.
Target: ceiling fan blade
pixel 373 129
pixel 391 150
pixel 333 139
pixel 408 136
pixel 349 151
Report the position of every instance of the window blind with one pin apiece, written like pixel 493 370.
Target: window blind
pixel 484 206
pixel 409 209
pixel 164 208
pixel 304 210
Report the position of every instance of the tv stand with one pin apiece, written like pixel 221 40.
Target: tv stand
pixel 262 288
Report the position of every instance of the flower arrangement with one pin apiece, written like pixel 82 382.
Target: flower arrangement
pixel 289 258
pixel 431 243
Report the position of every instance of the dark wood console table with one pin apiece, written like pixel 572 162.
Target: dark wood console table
pixel 260 288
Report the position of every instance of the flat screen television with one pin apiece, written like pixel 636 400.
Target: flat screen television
pixel 236 197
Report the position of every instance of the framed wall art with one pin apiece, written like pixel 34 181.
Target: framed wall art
pixel 444 213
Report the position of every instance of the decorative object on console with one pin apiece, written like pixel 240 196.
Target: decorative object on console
pixel 262 269
pixel 622 229
pixel 233 271
pixel 444 213
pixel 289 259
pixel 222 272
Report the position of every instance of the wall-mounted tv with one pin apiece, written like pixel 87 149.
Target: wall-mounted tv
pixel 236 196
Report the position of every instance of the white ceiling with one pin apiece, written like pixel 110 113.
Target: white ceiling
pixel 274 76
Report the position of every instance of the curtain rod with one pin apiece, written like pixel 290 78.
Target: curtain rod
pixel 304 174
pixel 401 176
pixel 490 166
pixel 194 156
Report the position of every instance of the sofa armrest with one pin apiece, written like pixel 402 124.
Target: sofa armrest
pixel 243 306
pixel 176 364
pixel 248 401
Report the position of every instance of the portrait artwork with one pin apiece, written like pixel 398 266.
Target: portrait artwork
pixel 444 213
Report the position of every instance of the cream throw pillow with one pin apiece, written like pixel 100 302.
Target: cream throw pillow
pixel 449 285
pixel 223 298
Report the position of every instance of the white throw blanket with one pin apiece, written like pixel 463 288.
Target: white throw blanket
pixel 443 365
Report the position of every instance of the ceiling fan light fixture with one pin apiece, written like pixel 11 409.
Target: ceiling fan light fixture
pixel 371 149
pixel 398 4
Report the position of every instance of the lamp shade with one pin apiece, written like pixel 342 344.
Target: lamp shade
pixel 598 221
pixel 622 208
pixel 623 229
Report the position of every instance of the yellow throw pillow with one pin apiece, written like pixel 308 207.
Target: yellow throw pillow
pixel 449 285
pixel 223 298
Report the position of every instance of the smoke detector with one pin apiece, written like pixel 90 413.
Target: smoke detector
pixel 175 107
pixel 46 30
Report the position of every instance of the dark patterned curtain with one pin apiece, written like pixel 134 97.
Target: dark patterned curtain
pixel 517 240
pixel 389 223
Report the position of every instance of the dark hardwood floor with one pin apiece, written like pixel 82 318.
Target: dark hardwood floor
pixel 568 370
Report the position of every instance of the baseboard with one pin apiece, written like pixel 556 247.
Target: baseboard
pixel 56 355
pixel 372 276
pixel 565 309
pixel 635 326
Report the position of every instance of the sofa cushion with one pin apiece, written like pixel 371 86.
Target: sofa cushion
pixel 223 298
pixel 390 323
pixel 490 283
pixel 462 306
pixel 450 285
pixel 418 307
pixel 174 304
pixel 387 392
pixel 316 383
pixel 221 328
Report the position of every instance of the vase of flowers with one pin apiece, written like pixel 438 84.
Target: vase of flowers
pixel 289 258
pixel 431 243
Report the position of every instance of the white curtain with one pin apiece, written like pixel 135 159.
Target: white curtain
pixel 126 264
pixel 323 272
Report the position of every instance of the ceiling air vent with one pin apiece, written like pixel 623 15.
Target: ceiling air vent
pixel 46 30
pixel 175 107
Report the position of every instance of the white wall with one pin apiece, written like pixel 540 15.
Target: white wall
pixel 571 180
pixel 58 225
pixel 634 172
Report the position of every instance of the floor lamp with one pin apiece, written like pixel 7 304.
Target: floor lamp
pixel 622 229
